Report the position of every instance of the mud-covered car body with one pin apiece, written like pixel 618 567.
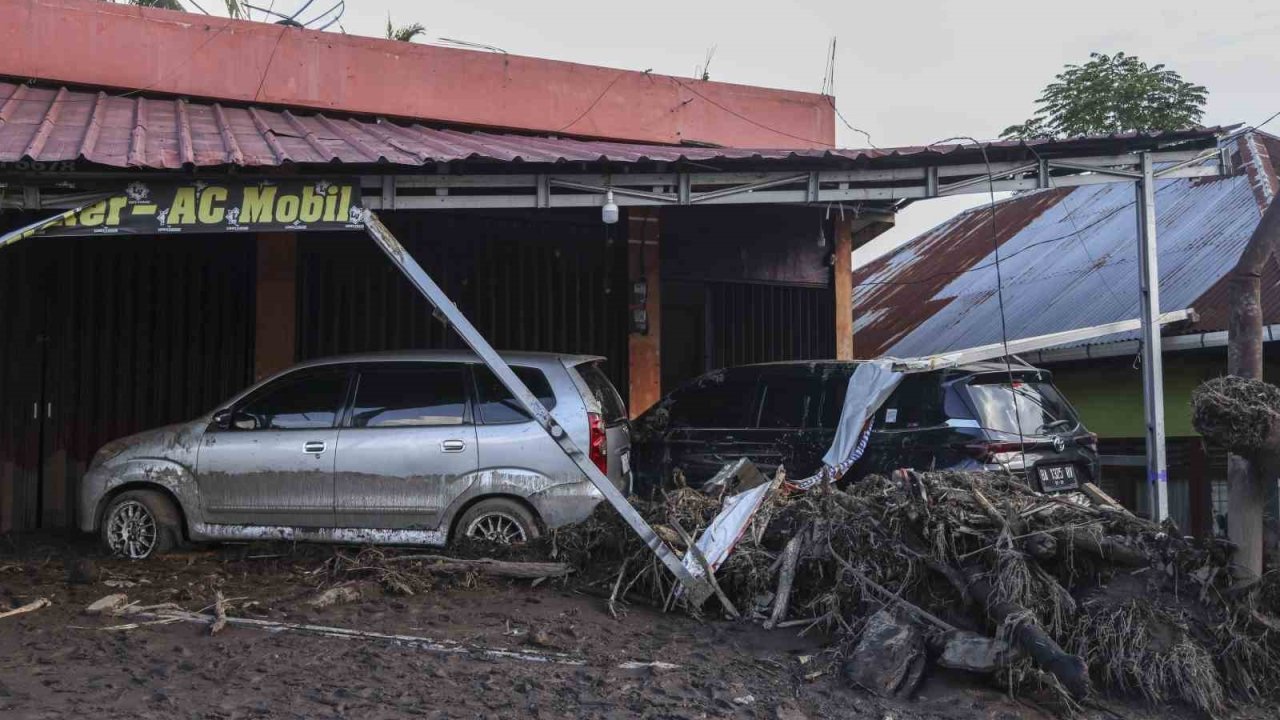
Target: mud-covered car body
pixel 787 413
pixel 385 447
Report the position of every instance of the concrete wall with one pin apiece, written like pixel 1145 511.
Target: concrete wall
pixel 87 42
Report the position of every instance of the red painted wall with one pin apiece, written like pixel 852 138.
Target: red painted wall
pixel 120 46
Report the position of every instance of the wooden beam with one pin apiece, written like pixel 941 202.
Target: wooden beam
pixel 275 333
pixel 842 280
pixel 644 347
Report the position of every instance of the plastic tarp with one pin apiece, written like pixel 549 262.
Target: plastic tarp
pixel 870 385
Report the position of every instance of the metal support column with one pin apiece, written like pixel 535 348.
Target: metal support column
pixel 1152 363
pixel 698 587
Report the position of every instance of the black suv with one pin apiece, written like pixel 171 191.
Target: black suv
pixel 980 416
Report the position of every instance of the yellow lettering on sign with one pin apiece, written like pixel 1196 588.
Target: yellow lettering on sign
pixel 312 205
pixel 94 215
pixel 211 214
pixel 331 203
pixel 183 211
pixel 344 203
pixel 259 203
pixel 114 206
pixel 287 209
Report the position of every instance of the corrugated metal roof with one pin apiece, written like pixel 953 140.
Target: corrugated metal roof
pixel 47 124
pixel 1068 259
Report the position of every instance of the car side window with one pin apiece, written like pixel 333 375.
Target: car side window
pixel 916 403
pixel 498 406
pixel 833 401
pixel 410 395
pixel 716 400
pixel 789 401
pixel 305 400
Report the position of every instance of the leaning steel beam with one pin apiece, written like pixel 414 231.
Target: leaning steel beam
pixel 697 586
pixel 1031 344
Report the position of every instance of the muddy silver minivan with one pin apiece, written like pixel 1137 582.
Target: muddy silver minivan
pixel 395 448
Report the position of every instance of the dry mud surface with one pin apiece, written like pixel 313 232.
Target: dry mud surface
pixel 60 662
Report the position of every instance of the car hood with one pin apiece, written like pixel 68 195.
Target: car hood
pixel 177 442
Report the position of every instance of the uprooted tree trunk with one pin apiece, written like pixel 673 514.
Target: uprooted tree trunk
pixel 1247 494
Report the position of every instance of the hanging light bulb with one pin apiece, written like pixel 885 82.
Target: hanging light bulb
pixel 609 213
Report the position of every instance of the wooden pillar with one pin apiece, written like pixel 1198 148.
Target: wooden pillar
pixel 275 333
pixel 843 287
pixel 644 345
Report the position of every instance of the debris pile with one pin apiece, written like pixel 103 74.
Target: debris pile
pixel 1239 414
pixel 972 571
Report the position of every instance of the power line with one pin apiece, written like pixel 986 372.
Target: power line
pixel 1071 217
pixel 744 118
pixel 1274 115
pixel 595 102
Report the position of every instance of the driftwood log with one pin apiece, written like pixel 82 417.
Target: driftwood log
pixel 1028 636
pixel 1104 547
pixel 486 566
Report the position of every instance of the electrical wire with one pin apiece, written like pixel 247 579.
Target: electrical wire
pixel 1004 330
pixel 1076 234
pixel 595 102
pixel 1274 115
pixel 744 118
pixel 955 273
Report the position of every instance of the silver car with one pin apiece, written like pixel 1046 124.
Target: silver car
pixel 395 448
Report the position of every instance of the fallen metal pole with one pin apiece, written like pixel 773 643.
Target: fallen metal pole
pixel 697 586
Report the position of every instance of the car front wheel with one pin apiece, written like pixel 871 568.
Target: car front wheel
pixel 140 524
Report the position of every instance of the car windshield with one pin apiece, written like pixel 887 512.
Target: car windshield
pixel 1022 408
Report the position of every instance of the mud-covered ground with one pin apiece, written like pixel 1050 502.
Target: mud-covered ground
pixel 60 662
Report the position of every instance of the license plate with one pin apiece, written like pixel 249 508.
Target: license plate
pixel 1057 477
pixel 626 462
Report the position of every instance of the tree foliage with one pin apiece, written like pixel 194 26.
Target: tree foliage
pixel 1113 94
pixel 404 33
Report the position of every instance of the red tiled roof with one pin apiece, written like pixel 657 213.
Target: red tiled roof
pixel 134 131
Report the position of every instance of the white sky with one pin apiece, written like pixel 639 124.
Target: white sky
pixel 908 73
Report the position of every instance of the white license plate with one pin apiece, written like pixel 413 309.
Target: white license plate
pixel 626 462
pixel 1057 477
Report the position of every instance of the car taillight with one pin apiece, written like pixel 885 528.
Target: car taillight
pixel 599 443
pixel 986 451
pixel 1089 440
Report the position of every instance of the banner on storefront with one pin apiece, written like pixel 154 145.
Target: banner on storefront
pixel 158 208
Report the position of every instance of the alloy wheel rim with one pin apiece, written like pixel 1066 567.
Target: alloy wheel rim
pixel 496 527
pixel 131 530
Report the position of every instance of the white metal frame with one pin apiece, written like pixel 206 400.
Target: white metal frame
pixel 570 190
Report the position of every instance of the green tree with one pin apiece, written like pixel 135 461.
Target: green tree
pixel 1113 94
pixel 404 33
pixel 165 4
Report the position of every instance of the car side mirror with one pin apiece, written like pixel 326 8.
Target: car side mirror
pixel 222 419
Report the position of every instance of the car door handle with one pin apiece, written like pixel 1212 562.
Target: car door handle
pixel 314 446
pixel 452 446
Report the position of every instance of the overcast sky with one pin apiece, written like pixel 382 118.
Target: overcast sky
pixel 908 73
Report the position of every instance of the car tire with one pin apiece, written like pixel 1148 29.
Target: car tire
pixel 141 524
pixel 499 520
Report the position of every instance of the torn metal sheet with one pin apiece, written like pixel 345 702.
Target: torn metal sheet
pixel 718 540
pixel 694 581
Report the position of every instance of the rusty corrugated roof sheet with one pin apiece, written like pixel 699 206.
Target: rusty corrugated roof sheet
pixel 1068 259
pixel 129 130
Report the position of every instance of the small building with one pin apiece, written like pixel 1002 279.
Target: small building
pixel 737 217
pixel 1068 260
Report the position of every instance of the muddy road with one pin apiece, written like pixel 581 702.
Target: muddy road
pixel 60 662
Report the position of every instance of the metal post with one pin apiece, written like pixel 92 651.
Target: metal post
pixel 1152 363
pixel 698 587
